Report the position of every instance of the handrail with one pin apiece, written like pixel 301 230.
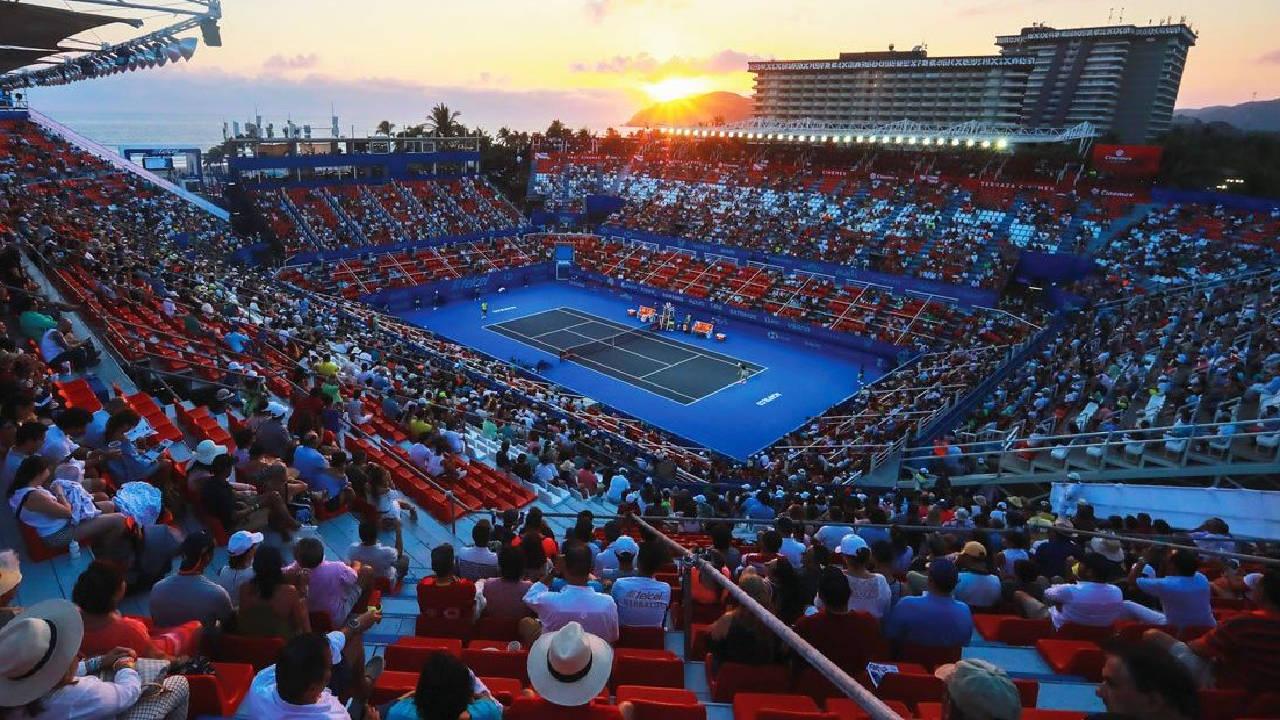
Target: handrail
pixel 874 706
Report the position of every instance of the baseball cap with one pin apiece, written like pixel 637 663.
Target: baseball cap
pixel 943 572
pixel 980 690
pixel 974 549
pixel 625 545
pixel 195 546
pixel 850 544
pixel 242 541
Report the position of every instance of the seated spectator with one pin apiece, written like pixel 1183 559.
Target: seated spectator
pixel 770 545
pixel 739 635
pixel 974 689
pixel 849 639
pixel 1240 651
pixel 1144 682
pixel 59 345
pixel 477 561
pixel 242 548
pixel 388 563
pixel 624 551
pixel 127 463
pixel 642 601
pixel 1026 579
pixel 1089 601
pixel 40 504
pixel 447 596
pixel 1184 592
pixel 299 684
pixel 934 619
pixel 189 596
pixel 328 486
pixel 268 605
pixel 238 506
pixel 869 592
pixel 332 587
pixel 28 439
pixel 98 592
pixel 446 690
pixel 10 579
pixel 569 667
pixel 504 594
pixel 1051 555
pixel 597 612
pixel 42 676
pixel 977 586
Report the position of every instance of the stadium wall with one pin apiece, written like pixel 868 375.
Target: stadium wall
pixel 805 332
pixel 1234 202
pixel 396 165
pixel 465 288
pixel 1253 513
pixel 959 294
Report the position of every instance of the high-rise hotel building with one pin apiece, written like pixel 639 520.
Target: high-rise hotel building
pixel 1123 79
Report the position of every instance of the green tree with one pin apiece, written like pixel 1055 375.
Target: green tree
pixel 443 121
pixel 558 131
pixel 384 128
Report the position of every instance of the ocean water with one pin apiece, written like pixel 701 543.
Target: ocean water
pixel 146 129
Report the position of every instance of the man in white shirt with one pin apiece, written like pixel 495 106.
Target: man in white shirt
pixel 596 612
pixel 1184 593
pixel 834 531
pixel 419 453
pixel 297 686
pixel 1089 601
pixel 792 549
pixel 642 601
pixel 477 561
pixel 607 559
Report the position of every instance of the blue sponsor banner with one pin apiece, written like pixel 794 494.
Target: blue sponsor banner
pixel 959 294
pixel 1204 197
pixel 464 288
pixel 812 336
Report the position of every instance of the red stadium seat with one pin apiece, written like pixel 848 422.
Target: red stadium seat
pixel 1073 657
pixel 732 678
pixel 498 663
pixel 847 709
pixel 659 668
pixel 409 653
pixel 526 708
pixel 653 638
pixel 661 703
pixel 748 705
pixel 933 711
pixel 256 651
pixel 219 694
pixel 1012 630
pixel 929 655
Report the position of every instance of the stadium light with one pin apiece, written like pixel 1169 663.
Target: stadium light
pixel 187 46
pixel 986 144
pixel 955 142
pixel 1002 143
pixel 911 140
pixel 968 143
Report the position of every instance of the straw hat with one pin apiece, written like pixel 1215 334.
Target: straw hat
pixel 10 571
pixel 570 666
pixel 36 649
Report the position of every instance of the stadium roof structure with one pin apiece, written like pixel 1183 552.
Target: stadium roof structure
pixel 902 132
pixel 48 44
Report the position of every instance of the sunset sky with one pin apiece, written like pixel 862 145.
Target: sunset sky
pixel 521 63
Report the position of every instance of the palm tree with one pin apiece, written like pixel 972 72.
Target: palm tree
pixel 443 121
pixel 384 128
pixel 558 131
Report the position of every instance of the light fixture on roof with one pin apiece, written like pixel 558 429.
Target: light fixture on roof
pixel 187 46
pixel 1002 143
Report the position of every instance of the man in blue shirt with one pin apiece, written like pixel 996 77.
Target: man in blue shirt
pixel 313 468
pixel 236 340
pixel 935 618
pixel 757 507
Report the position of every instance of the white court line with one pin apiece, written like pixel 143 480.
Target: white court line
pixel 710 355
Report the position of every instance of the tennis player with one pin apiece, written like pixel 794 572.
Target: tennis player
pixel 743 372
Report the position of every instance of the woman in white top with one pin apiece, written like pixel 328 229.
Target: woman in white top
pixel 43 507
pixel 1014 549
pixel 43 678
pixel 868 592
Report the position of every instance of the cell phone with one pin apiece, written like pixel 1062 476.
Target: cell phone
pixel 372 608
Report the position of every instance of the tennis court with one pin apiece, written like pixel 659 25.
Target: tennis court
pixel 638 356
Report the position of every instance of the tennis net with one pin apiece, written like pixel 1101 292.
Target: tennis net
pixel 592 347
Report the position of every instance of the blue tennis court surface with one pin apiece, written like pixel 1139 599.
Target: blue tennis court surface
pixel 679 382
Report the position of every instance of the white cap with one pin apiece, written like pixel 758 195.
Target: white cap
pixel 625 544
pixel 851 544
pixel 242 541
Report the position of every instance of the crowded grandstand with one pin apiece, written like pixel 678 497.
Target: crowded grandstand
pixel 707 424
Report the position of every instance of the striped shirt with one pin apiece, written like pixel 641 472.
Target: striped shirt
pixel 1247 649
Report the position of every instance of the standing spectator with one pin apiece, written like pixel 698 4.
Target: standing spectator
pixel 642 601
pixel 189 595
pixel 935 618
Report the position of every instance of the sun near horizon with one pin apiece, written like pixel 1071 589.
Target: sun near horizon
pixel 676 88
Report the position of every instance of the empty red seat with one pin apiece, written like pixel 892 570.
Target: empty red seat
pixel 220 694
pixel 661 703
pixel 910 688
pixel 749 705
pixel 1013 630
pixel 634 666
pixel 642 637
pixel 1073 657
pixel 409 653
pixel 526 708
pixel 732 678
pixel 933 711
pixel 930 656
pixel 256 651
pixel 847 709
pixel 498 663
